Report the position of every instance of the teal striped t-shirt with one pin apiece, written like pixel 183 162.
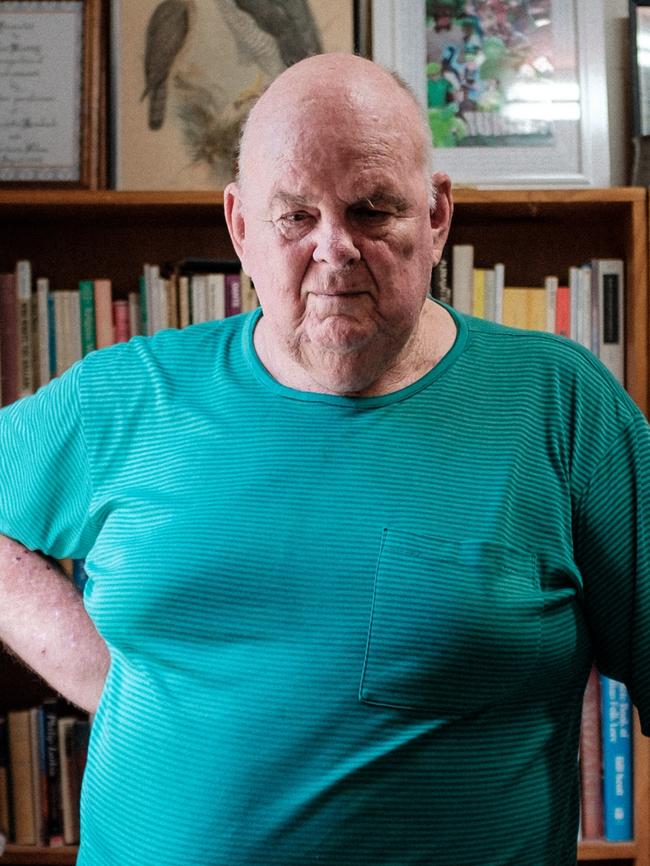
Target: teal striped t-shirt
pixel 343 630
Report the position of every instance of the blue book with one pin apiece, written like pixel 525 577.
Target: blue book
pixel 616 715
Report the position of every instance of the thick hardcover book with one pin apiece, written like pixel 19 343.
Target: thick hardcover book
pixel 591 769
pixel 608 292
pixel 616 711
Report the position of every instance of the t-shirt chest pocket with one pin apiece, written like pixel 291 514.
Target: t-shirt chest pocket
pixel 455 625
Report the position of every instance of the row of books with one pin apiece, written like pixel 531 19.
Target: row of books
pixel 42 759
pixel 586 304
pixel 43 332
pixel 606 780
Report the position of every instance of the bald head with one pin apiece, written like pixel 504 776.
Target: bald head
pixel 339 89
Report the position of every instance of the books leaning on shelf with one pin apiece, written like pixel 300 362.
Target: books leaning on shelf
pixel 606 780
pixel 42 758
pixel 44 331
pixel 586 304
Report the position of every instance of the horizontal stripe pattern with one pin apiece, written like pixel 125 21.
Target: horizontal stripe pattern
pixel 343 631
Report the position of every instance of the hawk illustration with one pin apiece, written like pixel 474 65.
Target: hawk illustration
pixel 269 35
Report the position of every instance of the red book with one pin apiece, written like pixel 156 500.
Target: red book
pixel 121 321
pixel 9 342
pixel 563 311
pixel 591 782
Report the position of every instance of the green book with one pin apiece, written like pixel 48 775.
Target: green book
pixel 87 310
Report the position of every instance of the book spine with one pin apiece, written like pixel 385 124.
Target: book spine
pixel 462 270
pixel 24 300
pixel 608 287
pixel 5 817
pixel 74 312
pixel 616 713
pixel 8 338
pixel 51 327
pixel 87 316
pixel 21 772
pixel 53 771
pixel 103 291
pixel 135 321
pixel 43 329
pixel 233 294
pixel 551 287
pixel 121 321
pixel 591 761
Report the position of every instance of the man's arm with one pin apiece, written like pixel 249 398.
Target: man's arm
pixel 43 621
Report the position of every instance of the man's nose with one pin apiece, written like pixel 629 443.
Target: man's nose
pixel 335 245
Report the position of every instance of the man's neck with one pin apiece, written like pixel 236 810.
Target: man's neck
pixel 356 376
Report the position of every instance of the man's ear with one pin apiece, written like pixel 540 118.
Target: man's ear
pixel 440 212
pixel 233 210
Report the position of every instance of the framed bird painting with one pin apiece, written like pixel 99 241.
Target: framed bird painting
pixel 184 74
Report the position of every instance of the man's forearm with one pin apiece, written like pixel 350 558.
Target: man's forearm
pixel 43 621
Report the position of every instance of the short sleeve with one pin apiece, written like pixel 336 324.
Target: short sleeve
pixel 45 486
pixel 613 553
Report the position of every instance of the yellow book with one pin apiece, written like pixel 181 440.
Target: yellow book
pixel 478 293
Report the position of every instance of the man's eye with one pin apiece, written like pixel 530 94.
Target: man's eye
pixel 293 218
pixel 371 214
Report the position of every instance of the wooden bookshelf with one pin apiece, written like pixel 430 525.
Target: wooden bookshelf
pixel 73 234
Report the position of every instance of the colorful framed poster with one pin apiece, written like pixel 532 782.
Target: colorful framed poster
pixel 515 90
pixel 185 74
pixel 50 68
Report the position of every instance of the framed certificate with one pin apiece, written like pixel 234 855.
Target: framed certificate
pixel 50 105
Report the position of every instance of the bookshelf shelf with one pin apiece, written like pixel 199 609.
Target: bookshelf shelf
pixel 74 234
pixel 28 855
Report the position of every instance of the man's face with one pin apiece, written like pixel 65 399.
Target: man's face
pixel 338 239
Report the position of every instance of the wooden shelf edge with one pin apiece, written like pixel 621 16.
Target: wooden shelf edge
pixel 104 198
pixel 33 854
pixel 598 849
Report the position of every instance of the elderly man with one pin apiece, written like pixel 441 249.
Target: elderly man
pixel 352 555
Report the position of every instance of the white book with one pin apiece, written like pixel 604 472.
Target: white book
pixel 199 295
pixel 584 312
pixel 462 276
pixel 61 327
pixel 183 301
pixel 74 313
pixel 574 301
pixel 499 285
pixel 216 293
pixel 550 287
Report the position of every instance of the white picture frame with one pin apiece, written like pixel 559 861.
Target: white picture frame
pixel 579 153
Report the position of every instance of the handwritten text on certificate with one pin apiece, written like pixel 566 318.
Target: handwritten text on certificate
pixel 40 90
